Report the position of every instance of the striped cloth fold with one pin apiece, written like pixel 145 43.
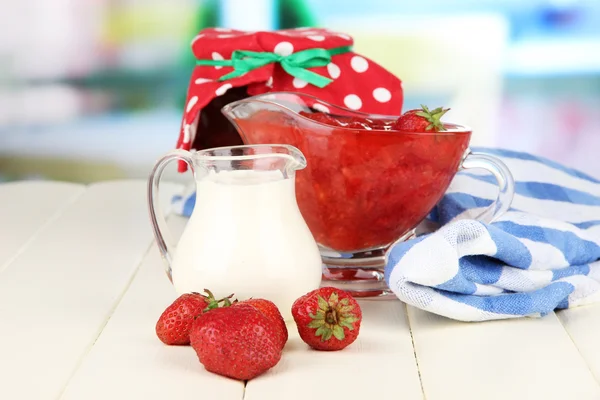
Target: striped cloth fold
pixel 542 255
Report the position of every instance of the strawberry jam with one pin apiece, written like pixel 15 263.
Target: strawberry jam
pixel 365 184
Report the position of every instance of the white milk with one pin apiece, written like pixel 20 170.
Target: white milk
pixel 246 236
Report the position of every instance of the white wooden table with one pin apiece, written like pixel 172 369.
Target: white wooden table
pixel 82 285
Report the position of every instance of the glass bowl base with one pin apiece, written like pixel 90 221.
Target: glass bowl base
pixel 361 273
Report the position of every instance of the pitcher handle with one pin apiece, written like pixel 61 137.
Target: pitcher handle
pixel 164 238
pixel 504 179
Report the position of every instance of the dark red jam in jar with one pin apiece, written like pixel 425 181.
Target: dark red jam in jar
pixel 214 129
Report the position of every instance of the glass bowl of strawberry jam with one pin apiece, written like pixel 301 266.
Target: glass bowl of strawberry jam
pixel 367 183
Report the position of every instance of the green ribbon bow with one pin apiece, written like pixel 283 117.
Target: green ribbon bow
pixel 295 64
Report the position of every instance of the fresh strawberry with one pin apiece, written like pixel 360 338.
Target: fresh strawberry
pixel 327 318
pixel 238 341
pixel 421 120
pixel 269 308
pixel 173 326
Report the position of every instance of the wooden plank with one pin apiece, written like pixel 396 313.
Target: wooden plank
pixel 583 324
pixel 129 362
pixel 28 206
pixel 379 365
pixel 56 296
pixel 509 359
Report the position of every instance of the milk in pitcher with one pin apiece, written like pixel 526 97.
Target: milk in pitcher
pixel 246 236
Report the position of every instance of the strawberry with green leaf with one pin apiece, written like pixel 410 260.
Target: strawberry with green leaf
pixel 421 120
pixel 327 318
pixel 174 324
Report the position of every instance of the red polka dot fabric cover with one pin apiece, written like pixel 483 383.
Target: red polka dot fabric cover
pixel 358 83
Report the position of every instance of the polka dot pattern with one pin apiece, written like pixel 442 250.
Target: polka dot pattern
pixel 353 102
pixel 222 89
pixel 217 56
pixel 359 64
pixel 358 83
pixel 319 35
pixel 186 134
pixel 321 107
pixel 283 49
pixel 191 104
pixel 382 95
pixel 299 83
pixel 333 70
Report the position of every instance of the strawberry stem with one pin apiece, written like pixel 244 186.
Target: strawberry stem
pixel 433 117
pixel 331 317
pixel 213 303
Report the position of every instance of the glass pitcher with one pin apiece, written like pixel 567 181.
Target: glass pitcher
pixel 246 234
pixel 366 185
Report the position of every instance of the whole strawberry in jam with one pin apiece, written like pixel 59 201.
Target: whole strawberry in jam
pixel 421 120
pixel 327 318
pixel 174 324
pixel 237 341
pixel 269 309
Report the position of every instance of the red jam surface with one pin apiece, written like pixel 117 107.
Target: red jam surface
pixel 365 185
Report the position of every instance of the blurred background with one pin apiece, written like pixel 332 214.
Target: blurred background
pixel 94 89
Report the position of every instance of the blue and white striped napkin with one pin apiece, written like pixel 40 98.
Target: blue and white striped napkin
pixel 542 255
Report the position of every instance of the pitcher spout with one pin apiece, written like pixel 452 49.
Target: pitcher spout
pixel 257 118
pixel 261 157
pixel 291 118
pixel 272 118
pixel 295 105
pixel 288 103
pixel 297 161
